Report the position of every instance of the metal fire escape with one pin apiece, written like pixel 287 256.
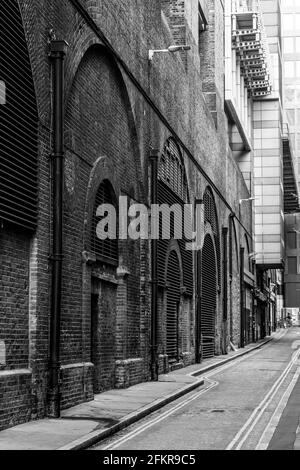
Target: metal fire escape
pixel 249 40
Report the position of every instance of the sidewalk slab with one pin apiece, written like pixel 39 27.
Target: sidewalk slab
pixel 88 423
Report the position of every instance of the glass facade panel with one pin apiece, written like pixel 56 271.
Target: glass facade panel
pixel 289 69
pixel 290 114
pixel 287 21
pixel 288 45
pixel 289 97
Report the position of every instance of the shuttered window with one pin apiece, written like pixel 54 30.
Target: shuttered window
pixel 173 299
pixel 18 124
pixel 172 189
pixel 210 216
pixel 208 298
pixel 171 169
pixel 105 250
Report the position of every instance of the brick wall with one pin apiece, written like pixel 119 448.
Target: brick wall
pixel 15 397
pixel 14 275
pixel 109 130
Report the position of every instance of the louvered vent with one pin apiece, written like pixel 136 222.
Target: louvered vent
pixel 208 298
pixel 173 298
pixel 171 170
pixel 18 124
pixel 210 216
pixel 172 189
pixel 105 250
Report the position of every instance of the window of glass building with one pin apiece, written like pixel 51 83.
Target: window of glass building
pixel 292 240
pixel 288 45
pixel 287 5
pixel 287 22
pixel 292 265
pixel 298 44
pixel 289 97
pixel 292 139
pixel 289 69
pixel 290 114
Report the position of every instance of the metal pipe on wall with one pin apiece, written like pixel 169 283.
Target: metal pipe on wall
pixel 154 156
pixel 242 300
pixel 57 53
pixel 225 288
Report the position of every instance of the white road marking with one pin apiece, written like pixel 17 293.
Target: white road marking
pixel 238 440
pixel 177 407
pixel 271 426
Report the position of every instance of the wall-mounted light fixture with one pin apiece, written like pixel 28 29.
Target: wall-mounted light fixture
pixel 248 199
pixel 170 49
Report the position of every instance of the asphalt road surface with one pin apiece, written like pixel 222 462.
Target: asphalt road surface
pixel 249 403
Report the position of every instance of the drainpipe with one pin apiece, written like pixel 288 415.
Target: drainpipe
pixel 198 264
pixel 242 294
pixel 57 53
pixel 225 288
pixel 154 156
pixel 231 221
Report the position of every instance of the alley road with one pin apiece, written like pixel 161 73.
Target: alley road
pixel 240 406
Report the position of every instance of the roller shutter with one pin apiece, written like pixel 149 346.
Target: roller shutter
pixel 208 298
pixel 18 124
pixel 210 216
pixel 166 196
pixel 173 299
pixel 105 250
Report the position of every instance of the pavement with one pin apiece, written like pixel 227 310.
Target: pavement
pixel 88 423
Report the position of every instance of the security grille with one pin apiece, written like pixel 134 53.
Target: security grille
pixel 105 250
pixel 173 298
pixel 210 216
pixel 208 298
pixel 171 170
pixel 172 189
pixel 18 124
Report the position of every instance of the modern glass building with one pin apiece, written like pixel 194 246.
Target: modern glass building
pixel 290 20
pixel 291 58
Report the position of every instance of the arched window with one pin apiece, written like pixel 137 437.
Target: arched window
pixel 18 124
pixel 105 250
pixel 210 216
pixel 173 190
pixel 234 251
pixel 171 169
